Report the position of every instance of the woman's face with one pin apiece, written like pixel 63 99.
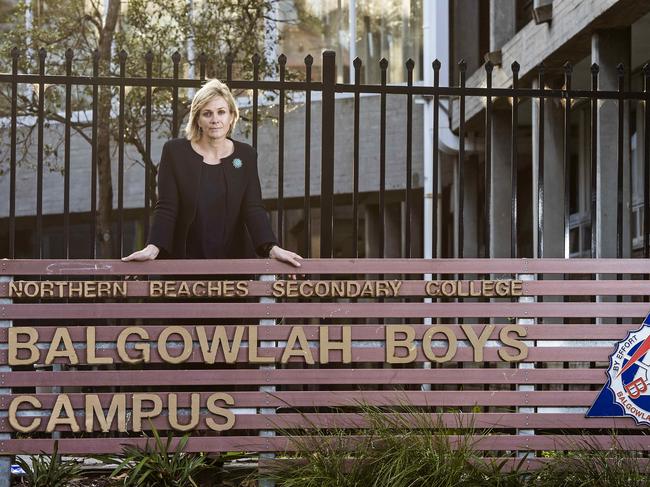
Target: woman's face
pixel 215 119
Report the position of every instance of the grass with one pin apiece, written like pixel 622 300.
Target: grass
pixel 405 449
pixel 411 449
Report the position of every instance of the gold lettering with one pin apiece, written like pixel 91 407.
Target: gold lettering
pixel 62 336
pixel 406 343
pixel 91 349
pixel 104 289
pixel 195 288
pixel 395 287
pixel 488 288
pixel 338 289
pixel 155 289
pixel 187 344
pixel 253 356
pixel 478 342
pixel 75 289
pixel 502 288
pixel 120 289
pixel 306 289
pixel 170 288
pixel 382 289
pixel 194 412
pixel 297 334
pixel 220 339
pixel 242 288
pixel 345 345
pixel 228 288
pixel 94 410
pixel 15 289
pixel 31 289
pixel 517 288
pixel 367 290
pixel 61 405
pixel 214 288
pixel 139 413
pixel 90 289
pixel 277 289
pixel 448 288
pixel 321 289
pixel 15 345
pixel 353 288
pixel 452 343
pixel 47 289
pixel 514 343
pixel 225 413
pixel 475 288
pixel 13 416
pixel 459 288
pixel 432 288
pixel 144 348
pixel 183 289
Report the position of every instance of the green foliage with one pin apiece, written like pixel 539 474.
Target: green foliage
pixel 48 470
pixel 591 466
pixel 160 465
pixel 396 449
pixel 214 27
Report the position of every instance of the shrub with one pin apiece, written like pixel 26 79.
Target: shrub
pixel 404 449
pixel 48 470
pixel 161 466
pixel 589 465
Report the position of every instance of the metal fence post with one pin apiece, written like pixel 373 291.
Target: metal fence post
pixel 327 155
pixel 5 461
pixel 267 388
pixel 526 365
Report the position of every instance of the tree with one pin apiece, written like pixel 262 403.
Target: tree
pixel 135 33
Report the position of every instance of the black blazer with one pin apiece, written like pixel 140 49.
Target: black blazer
pixel 179 177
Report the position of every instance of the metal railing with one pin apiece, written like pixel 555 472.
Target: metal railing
pixel 327 88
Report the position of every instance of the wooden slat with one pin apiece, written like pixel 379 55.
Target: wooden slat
pixel 286 421
pixel 87 446
pixel 47 267
pixel 363 354
pixel 108 333
pixel 321 310
pixel 301 376
pixel 308 399
pixel 416 288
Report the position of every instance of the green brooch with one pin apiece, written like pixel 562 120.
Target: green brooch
pixel 237 163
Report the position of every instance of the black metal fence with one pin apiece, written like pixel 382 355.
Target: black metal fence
pixel 328 89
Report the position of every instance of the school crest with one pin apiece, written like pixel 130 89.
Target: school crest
pixel 627 391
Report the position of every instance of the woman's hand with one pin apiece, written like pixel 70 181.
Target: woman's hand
pixel 283 255
pixel 150 252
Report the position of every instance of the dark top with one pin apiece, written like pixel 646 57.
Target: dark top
pixel 205 236
pixel 246 225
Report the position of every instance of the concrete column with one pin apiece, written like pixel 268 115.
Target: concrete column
pixel 470 208
pixel 608 48
pixel 371 229
pixel 500 184
pixel 503 22
pixel 466 46
pixel 553 175
pixel 394 232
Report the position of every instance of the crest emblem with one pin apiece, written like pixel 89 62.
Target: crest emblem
pixel 627 391
pixel 237 163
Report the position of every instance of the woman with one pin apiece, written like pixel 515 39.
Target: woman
pixel 209 196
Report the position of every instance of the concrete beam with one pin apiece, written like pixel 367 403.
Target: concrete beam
pixel 567 38
pixel 553 176
pixel 609 48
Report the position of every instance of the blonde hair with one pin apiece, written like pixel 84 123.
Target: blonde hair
pixel 212 89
